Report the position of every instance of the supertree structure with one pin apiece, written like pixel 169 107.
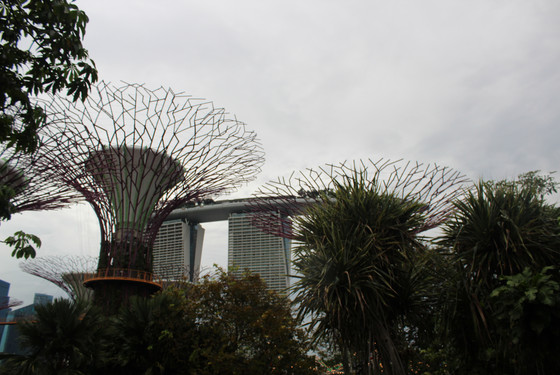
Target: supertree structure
pixel 6 304
pixel 279 201
pixel 360 246
pixel 26 185
pixel 9 302
pixel 136 154
pixel 66 272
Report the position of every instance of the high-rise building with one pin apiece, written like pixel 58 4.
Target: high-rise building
pixel 4 290
pixel 249 248
pixel 42 299
pixel 179 243
pixel 10 338
pixel 177 249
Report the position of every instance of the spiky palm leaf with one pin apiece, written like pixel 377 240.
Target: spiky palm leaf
pixel 358 226
pixel 64 338
pixel 499 229
pixel 354 248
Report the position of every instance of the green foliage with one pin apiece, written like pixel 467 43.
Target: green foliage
pixel 245 328
pixel 65 338
pixel 487 301
pixel 484 303
pixel 356 257
pixel 437 359
pixel 525 289
pixel 502 231
pixel 527 314
pixel 7 208
pixel 152 336
pixel 22 244
pixel 224 325
pixel 539 185
pixel 41 51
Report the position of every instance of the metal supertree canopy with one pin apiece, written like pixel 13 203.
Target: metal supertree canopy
pixel 31 187
pixel 279 201
pixel 136 154
pixel 66 272
pixel 9 302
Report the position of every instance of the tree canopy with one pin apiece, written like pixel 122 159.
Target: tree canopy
pixel 354 261
pixel 503 298
pixel 360 255
pixel 226 324
pixel 64 338
pixel 41 51
pixel 245 328
pixel 482 297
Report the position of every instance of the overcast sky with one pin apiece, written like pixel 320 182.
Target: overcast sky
pixel 473 85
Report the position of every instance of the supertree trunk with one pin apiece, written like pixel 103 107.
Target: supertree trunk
pixel 135 155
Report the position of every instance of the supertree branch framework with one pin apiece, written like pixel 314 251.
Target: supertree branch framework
pixel 435 186
pixel 9 302
pixel 66 272
pixel 27 186
pixel 137 154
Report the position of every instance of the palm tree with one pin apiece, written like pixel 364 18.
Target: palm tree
pixel 499 230
pixel 152 335
pixel 353 250
pixel 65 338
pixel 357 242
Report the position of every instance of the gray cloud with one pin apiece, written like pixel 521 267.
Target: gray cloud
pixel 472 85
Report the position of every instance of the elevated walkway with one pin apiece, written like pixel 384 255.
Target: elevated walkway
pixel 122 275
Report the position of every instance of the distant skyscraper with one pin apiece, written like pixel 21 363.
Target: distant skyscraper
pixel 9 342
pixel 262 253
pixel 178 245
pixel 4 290
pixel 41 299
pixel 177 249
